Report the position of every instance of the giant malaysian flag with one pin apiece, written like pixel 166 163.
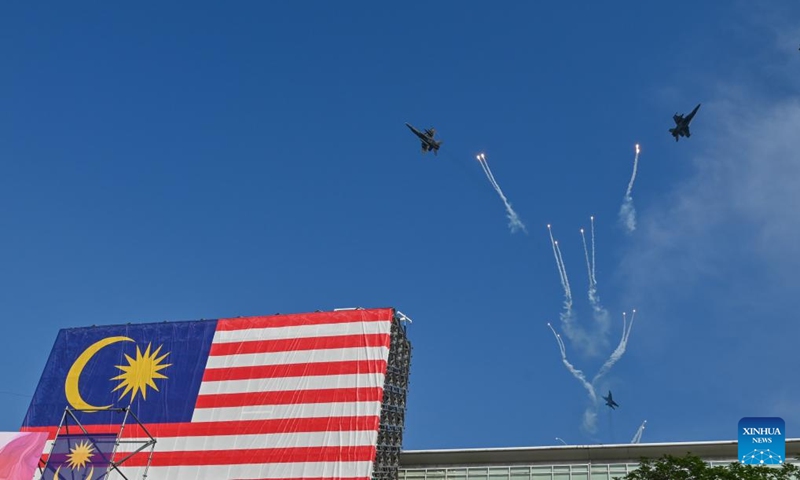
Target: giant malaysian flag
pixel 276 397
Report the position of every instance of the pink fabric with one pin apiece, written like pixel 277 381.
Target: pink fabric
pixel 19 454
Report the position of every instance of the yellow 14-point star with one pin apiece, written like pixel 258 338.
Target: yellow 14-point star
pixel 141 372
pixel 79 455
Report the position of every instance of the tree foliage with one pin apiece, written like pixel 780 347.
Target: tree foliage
pixel 692 467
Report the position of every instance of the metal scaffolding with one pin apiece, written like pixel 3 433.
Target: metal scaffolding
pixel 72 427
pixel 393 409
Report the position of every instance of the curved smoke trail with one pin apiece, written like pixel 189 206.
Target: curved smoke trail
pixel 589 343
pixel 620 350
pixel 627 212
pixel 599 313
pixel 513 219
pixel 574 332
pixel 574 371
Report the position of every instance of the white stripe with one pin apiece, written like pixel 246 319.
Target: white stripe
pixel 301 331
pixel 273 470
pixel 272 412
pixel 359 438
pixel 298 356
pixel 256 385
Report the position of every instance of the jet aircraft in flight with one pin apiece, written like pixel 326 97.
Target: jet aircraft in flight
pixel 682 124
pixel 610 401
pixel 428 142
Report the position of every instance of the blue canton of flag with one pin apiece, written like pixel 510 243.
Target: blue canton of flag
pixel 155 368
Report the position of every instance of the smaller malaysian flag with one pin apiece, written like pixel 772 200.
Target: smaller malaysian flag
pixel 80 456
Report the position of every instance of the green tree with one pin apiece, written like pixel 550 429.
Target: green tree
pixel 692 467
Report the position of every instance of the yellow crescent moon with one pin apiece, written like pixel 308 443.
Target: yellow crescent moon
pixel 56 477
pixel 74 375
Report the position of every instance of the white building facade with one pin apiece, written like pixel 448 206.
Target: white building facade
pixel 564 462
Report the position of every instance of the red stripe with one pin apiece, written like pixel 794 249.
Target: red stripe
pixel 247 427
pixel 319 318
pixel 295 370
pixel 297 344
pixel 253 456
pixel 291 397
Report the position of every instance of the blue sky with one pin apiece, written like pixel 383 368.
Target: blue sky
pixel 174 162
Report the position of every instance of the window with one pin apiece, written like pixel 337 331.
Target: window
pixel 520 473
pixel 561 472
pixel 498 473
pixel 618 470
pixel 600 472
pixel 456 474
pixel 541 473
pixel 580 472
pixel 477 474
pixel 434 475
pixel 414 474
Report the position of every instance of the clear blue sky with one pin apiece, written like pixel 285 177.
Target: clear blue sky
pixel 175 162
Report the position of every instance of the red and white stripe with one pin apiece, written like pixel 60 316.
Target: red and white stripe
pixel 282 397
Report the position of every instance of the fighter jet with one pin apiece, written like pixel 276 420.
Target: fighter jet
pixel 610 401
pixel 428 143
pixel 682 124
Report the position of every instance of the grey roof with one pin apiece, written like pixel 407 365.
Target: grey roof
pixel 565 454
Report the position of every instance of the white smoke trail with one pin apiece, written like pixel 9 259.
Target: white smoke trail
pixel 594 278
pixel 574 371
pixel 590 414
pixel 488 172
pixel 599 313
pixel 513 219
pixel 588 265
pixel 627 212
pixel 637 437
pixel 620 350
pixel 590 419
pixel 573 332
pixel 588 343
pixel 633 176
pixel 589 269
pixel 561 271
pixel 564 271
